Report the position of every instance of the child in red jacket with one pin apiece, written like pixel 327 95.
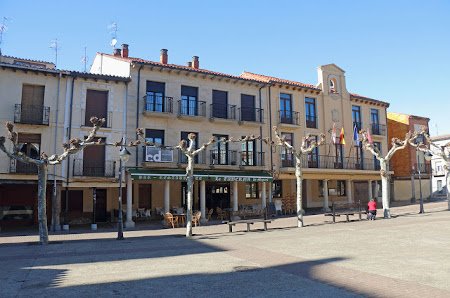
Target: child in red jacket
pixel 372 209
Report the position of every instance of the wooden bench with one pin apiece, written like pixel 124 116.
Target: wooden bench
pixel 347 209
pixel 248 222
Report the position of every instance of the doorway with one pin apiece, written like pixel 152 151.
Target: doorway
pixel 100 205
pixel 217 195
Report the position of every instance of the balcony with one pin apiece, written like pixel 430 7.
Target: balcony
pixel 251 158
pixel 18 167
pixel 222 111
pixel 200 159
pixel 358 125
pixel 158 104
pixel 191 108
pixel 94 168
pixel 330 162
pixel 422 168
pixel 311 121
pixel 223 157
pixel 251 114
pixel 287 160
pixel 288 117
pixel 378 129
pixel 29 114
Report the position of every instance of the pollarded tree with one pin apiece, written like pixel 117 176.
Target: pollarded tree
pixel 309 143
pixel 397 144
pixel 441 151
pixel 74 146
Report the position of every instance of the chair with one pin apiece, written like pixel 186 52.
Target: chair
pixel 220 213
pixel 210 212
pixel 196 218
pixel 170 219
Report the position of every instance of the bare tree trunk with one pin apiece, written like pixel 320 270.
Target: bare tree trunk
pixel 298 176
pixel 42 203
pixel 385 187
pixel 56 210
pixel 190 186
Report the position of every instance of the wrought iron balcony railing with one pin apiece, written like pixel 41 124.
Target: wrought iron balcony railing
pixel 191 108
pixel 311 121
pixel 251 158
pixel 223 157
pixel 158 104
pixel 288 117
pixel 18 167
pixel 378 129
pixel 251 114
pixel 222 111
pixel 31 114
pixel 94 169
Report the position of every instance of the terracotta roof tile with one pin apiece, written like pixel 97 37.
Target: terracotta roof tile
pixel 269 79
pixel 180 67
pixel 357 96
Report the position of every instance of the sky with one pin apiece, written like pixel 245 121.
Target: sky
pixel 395 51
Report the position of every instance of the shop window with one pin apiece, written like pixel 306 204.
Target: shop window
pixel 251 190
pixel 341 188
pixel 277 189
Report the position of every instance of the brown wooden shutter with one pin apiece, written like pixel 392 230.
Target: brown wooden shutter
pixel 96 105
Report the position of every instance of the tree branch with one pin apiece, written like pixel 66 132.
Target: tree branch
pixel 282 141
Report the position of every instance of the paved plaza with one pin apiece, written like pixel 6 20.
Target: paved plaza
pixel 407 256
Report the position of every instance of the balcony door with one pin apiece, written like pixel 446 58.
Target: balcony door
pixel 313 157
pixel 285 108
pixel 189 101
pixel 356 115
pixel 310 112
pixel 96 106
pixel 375 121
pixel 32 109
pixel 219 155
pixel 94 161
pixel 248 108
pixel 248 154
pixel 155 97
pixel 220 104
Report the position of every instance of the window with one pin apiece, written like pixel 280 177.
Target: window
pixel 155 136
pixel 313 156
pixel 96 106
pixel 339 160
pixel 359 157
pixel 30 145
pixel 375 160
pixel 341 188
pixel 155 97
pixel 93 161
pixel 219 153
pixel 248 112
pixel 251 190
pixel 285 108
pixel 375 121
pixel 248 154
pixel 310 112
pixel 219 104
pixel 356 116
pixel 277 189
pixel 189 101
pixel 287 159
pixel 439 185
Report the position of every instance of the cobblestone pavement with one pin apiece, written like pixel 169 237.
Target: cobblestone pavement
pixel 407 256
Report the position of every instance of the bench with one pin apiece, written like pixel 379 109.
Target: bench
pixel 347 209
pixel 248 222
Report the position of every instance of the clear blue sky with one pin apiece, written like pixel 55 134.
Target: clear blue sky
pixel 398 51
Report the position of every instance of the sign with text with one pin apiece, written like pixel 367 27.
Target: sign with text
pixel 155 154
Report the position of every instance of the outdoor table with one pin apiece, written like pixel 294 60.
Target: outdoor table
pixel 181 218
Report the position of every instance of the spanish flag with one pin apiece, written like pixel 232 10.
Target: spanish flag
pixel 341 137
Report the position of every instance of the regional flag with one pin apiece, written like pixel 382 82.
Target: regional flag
pixel 333 134
pixel 369 137
pixel 356 136
pixel 341 137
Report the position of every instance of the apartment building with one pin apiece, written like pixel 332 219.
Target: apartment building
pixel 170 101
pixel 411 172
pixel 439 183
pixel 333 172
pixel 48 107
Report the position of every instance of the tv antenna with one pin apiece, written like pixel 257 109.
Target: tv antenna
pixel 3 28
pixel 113 31
pixel 54 45
pixel 85 59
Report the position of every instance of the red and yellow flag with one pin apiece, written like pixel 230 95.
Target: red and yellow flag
pixel 341 137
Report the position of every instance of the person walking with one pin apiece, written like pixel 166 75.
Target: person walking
pixel 372 209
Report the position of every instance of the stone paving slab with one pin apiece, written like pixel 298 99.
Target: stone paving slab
pixel 407 256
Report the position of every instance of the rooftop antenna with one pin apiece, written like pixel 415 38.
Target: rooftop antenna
pixel 54 45
pixel 3 29
pixel 437 131
pixel 85 59
pixel 113 31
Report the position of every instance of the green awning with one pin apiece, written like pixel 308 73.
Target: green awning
pixel 219 176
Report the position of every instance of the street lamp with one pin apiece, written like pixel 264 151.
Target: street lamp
pixel 124 155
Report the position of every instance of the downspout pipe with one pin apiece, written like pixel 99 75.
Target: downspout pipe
pixel 270 127
pixel 137 107
pixel 260 126
pixel 69 136
pixel 55 224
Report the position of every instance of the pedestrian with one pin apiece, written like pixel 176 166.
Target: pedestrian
pixel 372 209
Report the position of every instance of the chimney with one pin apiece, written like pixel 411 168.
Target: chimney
pixel 124 50
pixel 189 64
pixel 117 52
pixel 163 58
pixel 195 63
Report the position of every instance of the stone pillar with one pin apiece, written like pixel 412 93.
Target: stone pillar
pixel 129 222
pixel 235 195
pixel 349 191
pixel 325 196
pixel 203 200
pixel 166 195
pixel 270 192
pixel 370 190
pixel 263 195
